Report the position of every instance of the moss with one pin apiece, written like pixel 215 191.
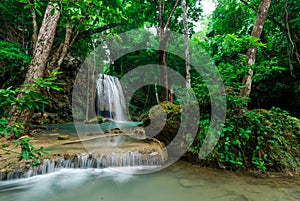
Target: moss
pixel 170 127
pixel 63 137
pixel 97 119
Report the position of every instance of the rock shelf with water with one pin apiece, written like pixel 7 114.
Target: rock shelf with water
pixel 93 151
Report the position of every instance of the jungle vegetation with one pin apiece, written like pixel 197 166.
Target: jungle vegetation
pixel 254 44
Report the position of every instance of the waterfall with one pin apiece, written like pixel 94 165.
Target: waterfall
pixel 110 101
pixel 85 161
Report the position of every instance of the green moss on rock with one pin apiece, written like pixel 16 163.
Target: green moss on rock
pixel 170 127
pixel 97 119
pixel 63 137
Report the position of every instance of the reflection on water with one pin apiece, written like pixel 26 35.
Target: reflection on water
pixel 179 182
pixel 73 129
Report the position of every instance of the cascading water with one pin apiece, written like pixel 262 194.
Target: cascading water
pixel 110 101
pixel 86 161
pixel 119 149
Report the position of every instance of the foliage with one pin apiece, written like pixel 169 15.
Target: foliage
pixel 12 56
pixel 276 69
pixel 6 129
pixel 85 17
pixel 29 152
pixel 264 139
pixel 30 99
pixel 268 140
pixel 138 13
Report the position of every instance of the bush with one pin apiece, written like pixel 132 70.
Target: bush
pixel 30 99
pixel 268 140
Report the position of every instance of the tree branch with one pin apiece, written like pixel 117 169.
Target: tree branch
pixel 160 15
pixel 294 49
pixel 34 24
pixel 171 14
pixel 90 32
pixel 268 17
pixel 66 44
pixel 289 38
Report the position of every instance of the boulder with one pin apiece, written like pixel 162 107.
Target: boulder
pixel 164 131
pixel 96 120
pixel 63 137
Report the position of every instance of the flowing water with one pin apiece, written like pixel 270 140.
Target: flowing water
pixel 110 98
pixel 179 182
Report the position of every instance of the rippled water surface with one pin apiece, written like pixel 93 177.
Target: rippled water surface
pixel 73 129
pixel 179 182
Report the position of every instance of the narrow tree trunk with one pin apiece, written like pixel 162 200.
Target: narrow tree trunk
pixel 186 45
pixel 163 65
pixel 35 26
pixel 164 34
pixel 61 52
pixel 156 94
pixel 251 52
pixel 38 63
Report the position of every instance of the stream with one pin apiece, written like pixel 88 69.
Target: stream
pixel 179 182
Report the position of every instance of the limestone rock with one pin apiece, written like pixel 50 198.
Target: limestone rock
pixel 97 119
pixel 139 133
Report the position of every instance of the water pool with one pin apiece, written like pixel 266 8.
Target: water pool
pixel 178 182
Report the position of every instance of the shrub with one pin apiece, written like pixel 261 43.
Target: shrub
pixel 30 99
pixel 268 140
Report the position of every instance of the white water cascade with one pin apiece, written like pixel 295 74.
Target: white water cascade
pixel 110 101
pixel 86 161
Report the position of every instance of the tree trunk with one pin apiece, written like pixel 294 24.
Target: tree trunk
pixel 35 26
pixel 186 45
pixel 62 50
pixel 163 65
pixel 251 52
pixel 164 34
pixel 39 60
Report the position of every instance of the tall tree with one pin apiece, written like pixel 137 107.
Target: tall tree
pixel 186 44
pixel 166 16
pixel 38 63
pixel 251 52
pixel 164 34
pixel 81 20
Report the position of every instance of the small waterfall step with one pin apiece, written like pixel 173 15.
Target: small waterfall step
pixel 145 157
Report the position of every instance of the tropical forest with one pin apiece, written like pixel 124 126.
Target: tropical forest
pixel 149 99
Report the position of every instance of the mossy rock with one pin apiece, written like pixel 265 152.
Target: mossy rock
pixel 170 127
pixel 63 137
pixel 97 119
pixel 115 130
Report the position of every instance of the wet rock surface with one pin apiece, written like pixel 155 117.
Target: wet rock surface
pixel 220 185
pixel 115 148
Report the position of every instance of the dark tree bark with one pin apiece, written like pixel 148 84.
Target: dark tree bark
pixel 251 52
pixel 90 32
